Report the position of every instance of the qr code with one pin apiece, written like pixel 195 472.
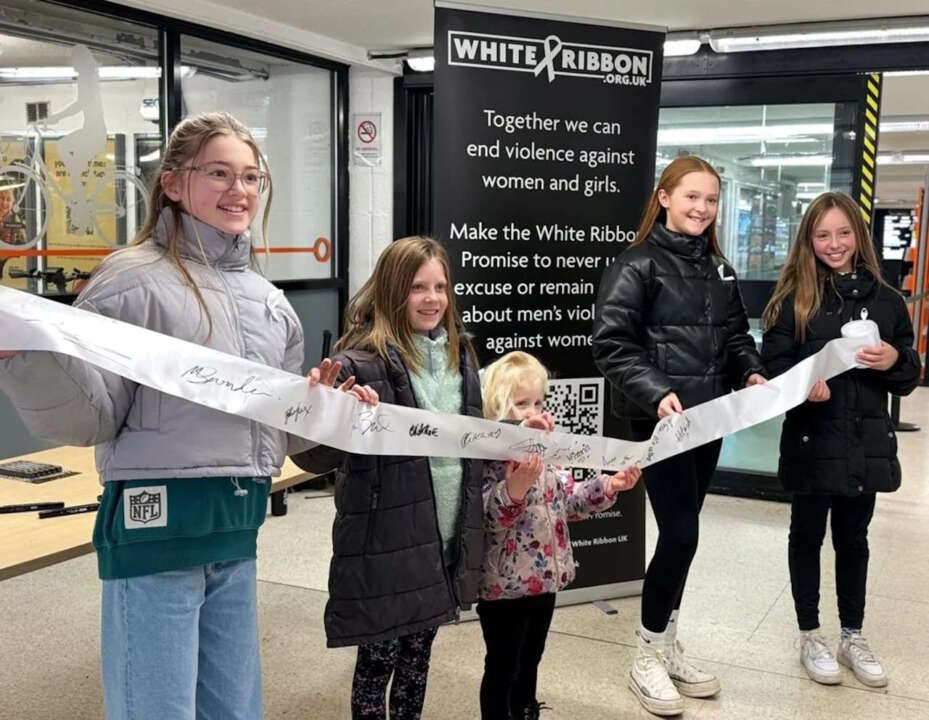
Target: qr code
pixel 577 406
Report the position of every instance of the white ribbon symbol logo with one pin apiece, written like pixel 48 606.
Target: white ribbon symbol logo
pixel 553 46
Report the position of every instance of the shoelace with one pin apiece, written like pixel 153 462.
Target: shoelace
pixel 859 646
pixel 531 712
pixel 820 648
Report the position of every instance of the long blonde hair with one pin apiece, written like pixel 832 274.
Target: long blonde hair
pixel 185 144
pixel 805 275
pixel 377 314
pixel 670 179
pixel 502 377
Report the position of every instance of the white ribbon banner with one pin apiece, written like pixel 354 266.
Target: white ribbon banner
pixel 288 402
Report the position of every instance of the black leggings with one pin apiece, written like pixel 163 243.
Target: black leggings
pixel 676 489
pixel 514 633
pixel 850 517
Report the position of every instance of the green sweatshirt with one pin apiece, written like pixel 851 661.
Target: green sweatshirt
pixel 150 526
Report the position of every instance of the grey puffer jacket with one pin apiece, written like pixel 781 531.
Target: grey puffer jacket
pixel 139 432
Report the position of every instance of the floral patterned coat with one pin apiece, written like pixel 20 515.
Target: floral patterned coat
pixel 527 550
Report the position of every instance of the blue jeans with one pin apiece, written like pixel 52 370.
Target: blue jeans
pixel 182 645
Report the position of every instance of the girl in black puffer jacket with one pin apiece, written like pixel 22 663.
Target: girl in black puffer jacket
pixel 671 332
pixel 838 449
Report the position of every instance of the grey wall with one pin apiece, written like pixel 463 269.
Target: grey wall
pixel 318 310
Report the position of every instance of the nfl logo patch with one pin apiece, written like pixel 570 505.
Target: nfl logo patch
pixel 146 507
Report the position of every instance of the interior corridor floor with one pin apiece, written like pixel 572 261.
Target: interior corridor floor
pixel 737 619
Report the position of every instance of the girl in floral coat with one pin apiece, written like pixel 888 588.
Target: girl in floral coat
pixel 527 557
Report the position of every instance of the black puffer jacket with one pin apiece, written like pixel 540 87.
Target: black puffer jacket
pixel 845 445
pixel 387 577
pixel 670 318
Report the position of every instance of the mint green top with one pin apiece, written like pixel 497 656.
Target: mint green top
pixel 151 526
pixel 438 389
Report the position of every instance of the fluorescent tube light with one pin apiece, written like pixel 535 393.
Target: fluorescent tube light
pixel 783 37
pixel 722 134
pixel 902 158
pixel 899 126
pixel 679 44
pixel 106 72
pixel 791 161
pixel 425 63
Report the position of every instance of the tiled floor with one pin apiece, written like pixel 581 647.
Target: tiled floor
pixel 737 619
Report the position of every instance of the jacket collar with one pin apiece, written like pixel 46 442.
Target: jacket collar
pixel 687 246
pixel 855 285
pixel 222 250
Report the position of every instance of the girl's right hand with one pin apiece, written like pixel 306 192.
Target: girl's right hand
pixel 819 392
pixel 328 372
pixel 4 354
pixel 521 476
pixel 669 404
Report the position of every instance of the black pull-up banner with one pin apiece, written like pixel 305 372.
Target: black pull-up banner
pixel 545 134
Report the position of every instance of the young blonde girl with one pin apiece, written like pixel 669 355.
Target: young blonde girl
pixel 408 533
pixel 671 332
pixel 838 449
pixel 179 619
pixel 527 556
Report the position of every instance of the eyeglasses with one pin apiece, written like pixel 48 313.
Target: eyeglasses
pixel 221 177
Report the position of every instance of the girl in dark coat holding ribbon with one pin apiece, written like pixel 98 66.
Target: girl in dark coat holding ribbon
pixel 839 448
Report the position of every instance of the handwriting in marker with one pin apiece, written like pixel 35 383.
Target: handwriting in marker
pixel 420 429
pixel 204 375
pixel 572 453
pixel 608 461
pixel 296 412
pixel 369 421
pixel 683 428
pixel 530 446
pixel 472 437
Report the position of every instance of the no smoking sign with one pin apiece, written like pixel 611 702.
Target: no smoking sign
pixel 366 139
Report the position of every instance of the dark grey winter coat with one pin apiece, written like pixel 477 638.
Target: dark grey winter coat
pixel 387 577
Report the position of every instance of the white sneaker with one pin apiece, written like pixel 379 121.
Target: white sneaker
pixel 689 680
pixel 818 660
pixel 649 680
pixel 855 653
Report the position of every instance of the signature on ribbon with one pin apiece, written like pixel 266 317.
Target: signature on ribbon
pixel 370 421
pixel 205 375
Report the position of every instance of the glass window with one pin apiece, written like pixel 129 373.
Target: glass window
pixel 288 107
pixel 74 88
pixel 773 159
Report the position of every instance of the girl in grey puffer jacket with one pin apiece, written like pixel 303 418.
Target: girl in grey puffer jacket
pixel 527 557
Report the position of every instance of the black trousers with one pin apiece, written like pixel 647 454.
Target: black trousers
pixel 676 489
pixel 850 517
pixel 514 634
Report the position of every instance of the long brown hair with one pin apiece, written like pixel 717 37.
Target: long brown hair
pixel 183 147
pixel 805 275
pixel 377 314
pixel 670 179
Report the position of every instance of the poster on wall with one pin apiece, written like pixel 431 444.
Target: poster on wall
pixel 14 212
pixel 545 138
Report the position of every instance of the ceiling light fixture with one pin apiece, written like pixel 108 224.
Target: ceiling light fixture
pixel 679 44
pixel 784 37
pixel 722 135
